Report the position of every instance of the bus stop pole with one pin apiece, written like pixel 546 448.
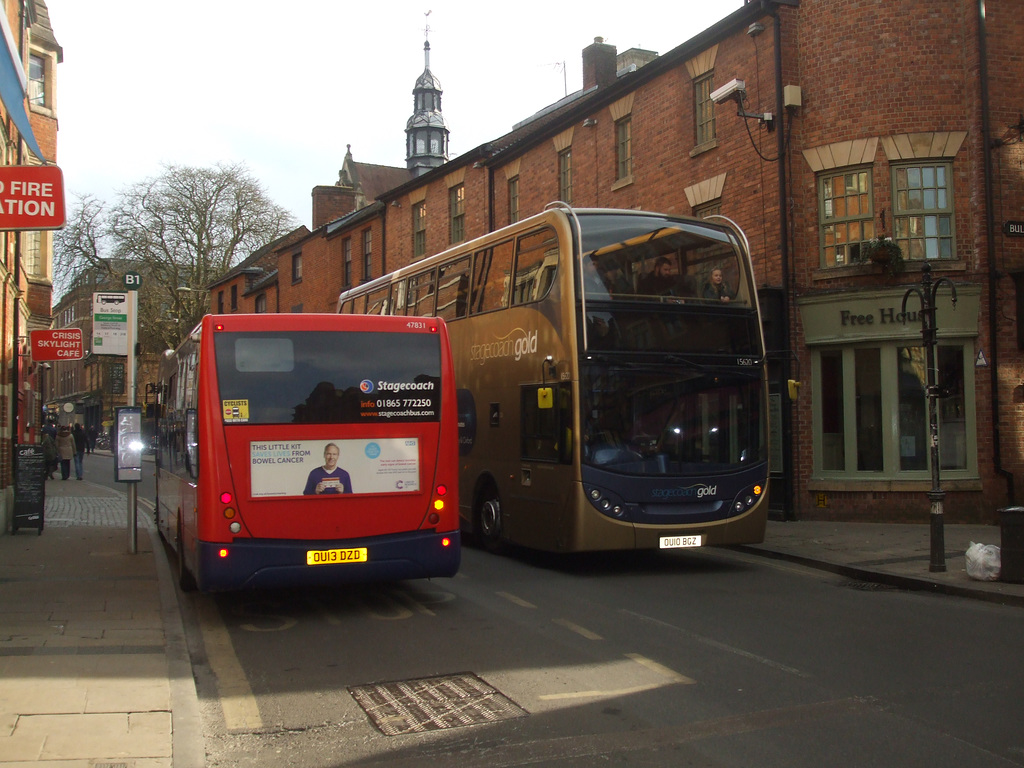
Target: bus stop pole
pixel 133 488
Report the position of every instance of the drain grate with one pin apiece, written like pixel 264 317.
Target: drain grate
pixel 433 703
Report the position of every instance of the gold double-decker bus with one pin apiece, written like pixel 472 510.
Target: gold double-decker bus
pixel 610 374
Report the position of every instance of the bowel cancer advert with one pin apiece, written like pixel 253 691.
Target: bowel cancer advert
pixel 334 467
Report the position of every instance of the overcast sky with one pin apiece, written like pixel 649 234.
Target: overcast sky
pixel 284 87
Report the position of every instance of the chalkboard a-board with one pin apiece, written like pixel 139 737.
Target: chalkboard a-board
pixel 29 488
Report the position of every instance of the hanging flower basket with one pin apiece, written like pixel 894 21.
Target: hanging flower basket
pixel 884 251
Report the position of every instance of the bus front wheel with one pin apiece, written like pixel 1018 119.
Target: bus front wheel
pixel 489 520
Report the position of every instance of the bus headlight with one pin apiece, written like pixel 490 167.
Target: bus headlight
pixel 606 502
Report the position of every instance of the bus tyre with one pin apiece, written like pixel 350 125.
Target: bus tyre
pixel 489 520
pixel 186 580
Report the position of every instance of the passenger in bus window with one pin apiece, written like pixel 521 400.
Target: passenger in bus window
pixel 665 280
pixel 330 478
pixel 716 288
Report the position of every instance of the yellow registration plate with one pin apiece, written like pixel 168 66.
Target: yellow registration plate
pixel 333 556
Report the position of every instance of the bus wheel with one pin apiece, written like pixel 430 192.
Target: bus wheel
pixel 186 580
pixel 489 520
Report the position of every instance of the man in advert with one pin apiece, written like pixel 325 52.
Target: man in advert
pixel 330 478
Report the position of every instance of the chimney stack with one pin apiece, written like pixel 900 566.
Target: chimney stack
pixel 598 64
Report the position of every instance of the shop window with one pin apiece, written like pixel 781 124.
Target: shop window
pixel 871 412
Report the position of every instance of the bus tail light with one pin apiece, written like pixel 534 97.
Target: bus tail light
pixel 222 553
pixel 446 542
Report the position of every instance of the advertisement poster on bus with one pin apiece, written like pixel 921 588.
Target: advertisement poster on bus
pixel 334 467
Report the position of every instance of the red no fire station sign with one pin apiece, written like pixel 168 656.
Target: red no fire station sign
pixel 63 344
pixel 31 197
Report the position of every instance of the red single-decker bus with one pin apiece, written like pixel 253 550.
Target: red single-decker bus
pixel 304 449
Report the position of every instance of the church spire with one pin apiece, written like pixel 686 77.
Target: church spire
pixel 426 142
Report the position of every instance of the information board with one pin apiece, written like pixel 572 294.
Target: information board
pixel 110 323
pixel 29 488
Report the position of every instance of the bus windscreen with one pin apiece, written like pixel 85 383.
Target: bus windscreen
pixel 320 377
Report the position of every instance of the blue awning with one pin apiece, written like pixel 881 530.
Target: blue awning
pixel 13 88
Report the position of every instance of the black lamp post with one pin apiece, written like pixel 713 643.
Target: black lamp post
pixel 926 294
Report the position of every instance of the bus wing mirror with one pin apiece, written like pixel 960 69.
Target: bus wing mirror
pixel 545 398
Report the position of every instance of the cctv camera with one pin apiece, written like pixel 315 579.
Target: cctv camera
pixel 734 89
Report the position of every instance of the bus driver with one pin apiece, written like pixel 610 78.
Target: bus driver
pixel 330 478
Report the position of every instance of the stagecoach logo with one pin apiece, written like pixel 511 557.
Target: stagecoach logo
pixel 517 343
pixel 698 491
pixel 366 386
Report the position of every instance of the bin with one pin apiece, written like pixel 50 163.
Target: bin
pixel 1011 550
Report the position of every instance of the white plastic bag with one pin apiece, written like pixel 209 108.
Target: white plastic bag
pixel 983 562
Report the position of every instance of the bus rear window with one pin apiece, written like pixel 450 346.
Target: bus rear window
pixel 328 378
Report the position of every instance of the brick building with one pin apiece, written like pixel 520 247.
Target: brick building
pixel 818 126
pixel 28 129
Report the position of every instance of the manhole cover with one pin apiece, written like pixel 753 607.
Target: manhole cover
pixel 433 703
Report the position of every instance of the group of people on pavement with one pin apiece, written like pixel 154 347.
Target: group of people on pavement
pixel 63 446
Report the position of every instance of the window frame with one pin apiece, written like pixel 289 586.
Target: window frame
pixel 419 229
pixel 704 127
pixel 297 267
pixel 915 245
pixel 367 236
pixel 624 148
pixel 346 262
pixel 565 175
pixel 457 213
pixel 513 199
pixel 842 224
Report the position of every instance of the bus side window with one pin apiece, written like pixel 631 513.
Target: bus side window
pixel 536 263
pixel 377 302
pixel 492 272
pixel 453 290
pixel 421 294
pixel 397 299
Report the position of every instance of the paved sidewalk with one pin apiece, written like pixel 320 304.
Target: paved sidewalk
pixel 94 669
pixel 887 553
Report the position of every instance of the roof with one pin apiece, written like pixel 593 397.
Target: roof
pixel 263 259
pixel 42 30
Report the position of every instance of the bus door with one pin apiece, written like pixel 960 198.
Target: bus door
pixel 544 489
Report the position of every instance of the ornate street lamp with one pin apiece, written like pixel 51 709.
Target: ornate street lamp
pixel 926 294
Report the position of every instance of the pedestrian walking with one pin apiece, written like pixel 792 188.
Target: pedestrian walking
pixel 81 441
pixel 65 451
pixel 91 433
pixel 49 453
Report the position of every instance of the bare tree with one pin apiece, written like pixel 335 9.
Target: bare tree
pixel 82 245
pixel 181 230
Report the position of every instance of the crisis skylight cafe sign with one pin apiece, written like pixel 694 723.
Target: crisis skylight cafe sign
pixel 57 344
pixel 31 197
